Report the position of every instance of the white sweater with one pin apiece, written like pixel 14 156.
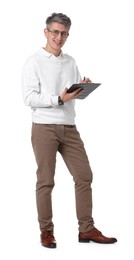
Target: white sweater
pixel 44 77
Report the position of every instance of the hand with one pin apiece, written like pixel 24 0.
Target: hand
pixel 85 80
pixel 65 96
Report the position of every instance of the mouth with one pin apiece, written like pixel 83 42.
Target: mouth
pixel 58 43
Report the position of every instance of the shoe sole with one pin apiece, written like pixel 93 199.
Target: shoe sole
pixel 81 240
pixel 51 246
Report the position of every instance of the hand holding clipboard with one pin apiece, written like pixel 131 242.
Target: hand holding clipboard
pixel 87 87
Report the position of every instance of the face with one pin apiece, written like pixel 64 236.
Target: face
pixel 56 37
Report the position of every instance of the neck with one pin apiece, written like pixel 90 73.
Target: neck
pixel 53 51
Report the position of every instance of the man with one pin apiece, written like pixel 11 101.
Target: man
pixel 46 77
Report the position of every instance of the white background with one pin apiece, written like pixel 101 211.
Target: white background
pixel 101 41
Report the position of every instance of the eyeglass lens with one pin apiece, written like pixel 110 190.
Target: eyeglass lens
pixel 56 33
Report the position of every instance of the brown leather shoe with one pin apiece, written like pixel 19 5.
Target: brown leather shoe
pixel 47 239
pixel 96 236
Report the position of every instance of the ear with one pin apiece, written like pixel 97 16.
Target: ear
pixel 46 32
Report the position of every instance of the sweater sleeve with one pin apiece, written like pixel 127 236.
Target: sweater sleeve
pixel 31 90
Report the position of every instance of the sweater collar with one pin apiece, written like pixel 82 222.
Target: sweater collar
pixel 48 54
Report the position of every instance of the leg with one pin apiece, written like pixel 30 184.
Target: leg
pixel 74 155
pixel 45 146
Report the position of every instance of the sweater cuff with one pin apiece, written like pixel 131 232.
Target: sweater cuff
pixel 54 101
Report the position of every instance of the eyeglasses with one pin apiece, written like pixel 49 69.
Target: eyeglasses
pixel 55 33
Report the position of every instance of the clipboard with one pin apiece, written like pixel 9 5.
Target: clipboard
pixel 87 87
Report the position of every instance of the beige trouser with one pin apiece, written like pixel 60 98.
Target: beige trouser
pixel 47 140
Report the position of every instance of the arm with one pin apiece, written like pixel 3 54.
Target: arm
pixel 33 95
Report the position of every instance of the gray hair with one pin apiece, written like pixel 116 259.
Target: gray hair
pixel 58 18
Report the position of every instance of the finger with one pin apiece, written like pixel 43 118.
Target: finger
pixel 77 92
pixel 87 80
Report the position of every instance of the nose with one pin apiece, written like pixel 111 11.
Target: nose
pixel 59 36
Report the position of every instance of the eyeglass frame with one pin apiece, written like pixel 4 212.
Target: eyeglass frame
pixel 63 34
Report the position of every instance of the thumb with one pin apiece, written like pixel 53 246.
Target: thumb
pixel 65 90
